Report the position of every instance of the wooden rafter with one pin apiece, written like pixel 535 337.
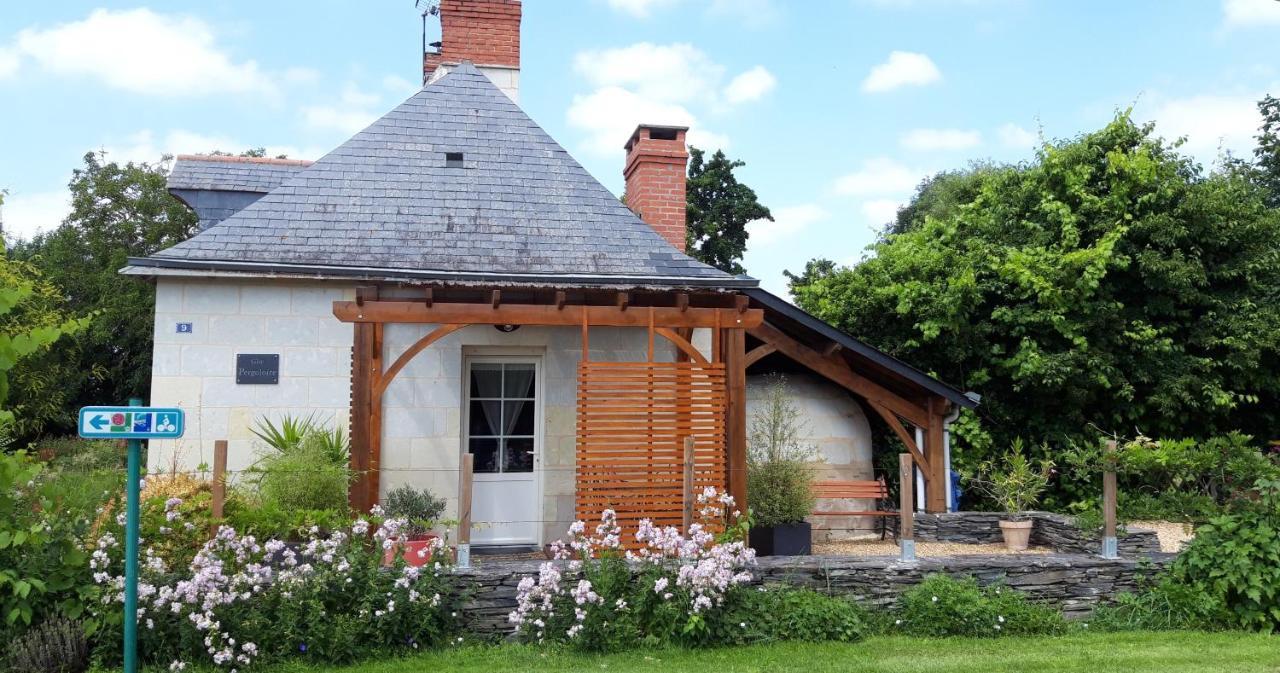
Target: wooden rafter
pixel 682 343
pixel 383 380
pixel 907 440
pixel 755 354
pixel 835 368
pixel 396 311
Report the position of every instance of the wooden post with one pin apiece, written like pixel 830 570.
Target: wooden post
pixel 218 488
pixel 906 506
pixel 935 481
pixel 1110 548
pixel 464 510
pixel 735 345
pixel 363 429
pixel 690 497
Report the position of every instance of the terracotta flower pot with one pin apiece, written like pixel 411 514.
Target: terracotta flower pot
pixel 1017 534
pixel 413 550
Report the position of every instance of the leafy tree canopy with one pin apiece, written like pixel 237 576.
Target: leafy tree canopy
pixel 1267 152
pixel 118 211
pixel 719 208
pixel 1107 286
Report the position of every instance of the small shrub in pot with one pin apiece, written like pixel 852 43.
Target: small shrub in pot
pixel 420 509
pixel 1015 483
pixel 779 475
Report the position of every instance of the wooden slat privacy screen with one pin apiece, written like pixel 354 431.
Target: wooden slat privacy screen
pixel 632 421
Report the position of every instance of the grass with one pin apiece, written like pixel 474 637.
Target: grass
pixel 1133 652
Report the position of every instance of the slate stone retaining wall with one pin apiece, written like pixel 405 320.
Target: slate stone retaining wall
pixel 1055 531
pixel 1073 583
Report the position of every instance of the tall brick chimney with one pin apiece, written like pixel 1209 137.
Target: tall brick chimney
pixel 485 32
pixel 655 174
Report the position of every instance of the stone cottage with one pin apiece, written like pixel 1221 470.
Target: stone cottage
pixel 451 281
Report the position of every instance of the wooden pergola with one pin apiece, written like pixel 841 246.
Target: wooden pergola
pixel 734 319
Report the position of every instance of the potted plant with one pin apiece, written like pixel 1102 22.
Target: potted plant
pixel 779 476
pixel 1015 484
pixel 420 509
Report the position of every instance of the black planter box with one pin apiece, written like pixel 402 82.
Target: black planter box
pixel 794 539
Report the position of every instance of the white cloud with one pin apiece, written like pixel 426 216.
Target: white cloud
pixel 674 72
pixel 928 140
pixel 146 146
pixel 640 8
pixel 1209 123
pixel 353 110
pixel 880 211
pixel 398 85
pixel 143 52
pixel 645 83
pixel 25 214
pixel 787 222
pixel 878 177
pixel 1015 137
pixel 903 68
pixel 8 62
pixel 750 13
pixel 610 114
pixel 1250 13
pixel 750 85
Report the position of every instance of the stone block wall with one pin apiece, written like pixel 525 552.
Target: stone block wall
pixel 1055 531
pixel 1074 584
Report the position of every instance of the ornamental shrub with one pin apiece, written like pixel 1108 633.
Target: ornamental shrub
pixel 240 601
pixel 944 606
pixel 780 613
pixel 1168 605
pixel 312 475
pixel 43 570
pixel 55 646
pixel 416 506
pixel 779 469
pixel 1235 559
pixel 597 597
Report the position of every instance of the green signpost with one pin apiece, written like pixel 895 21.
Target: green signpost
pixel 135 423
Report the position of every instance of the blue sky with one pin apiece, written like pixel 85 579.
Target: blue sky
pixel 839 107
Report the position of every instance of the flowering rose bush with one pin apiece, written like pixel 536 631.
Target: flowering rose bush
pixel 240 600
pixel 676 588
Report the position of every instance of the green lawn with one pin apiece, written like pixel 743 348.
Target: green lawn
pixel 1169 652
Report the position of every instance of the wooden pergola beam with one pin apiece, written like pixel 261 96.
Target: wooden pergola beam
pixel 835 368
pixel 372 311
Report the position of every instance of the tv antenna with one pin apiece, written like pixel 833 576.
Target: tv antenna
pixel 427 8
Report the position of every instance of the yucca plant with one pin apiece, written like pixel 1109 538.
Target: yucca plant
pixel 288 434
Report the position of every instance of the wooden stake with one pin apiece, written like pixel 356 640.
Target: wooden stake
pixel 906 506
pixel 1109 544
pixel 464 510
pixel 689 497
pixel 219 486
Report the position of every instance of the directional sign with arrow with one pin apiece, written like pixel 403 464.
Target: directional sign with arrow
pixel 131 422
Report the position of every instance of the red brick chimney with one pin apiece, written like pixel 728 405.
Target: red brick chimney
pixel 485 32
pixel 655 173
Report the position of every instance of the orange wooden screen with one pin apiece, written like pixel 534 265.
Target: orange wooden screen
pixel 632 421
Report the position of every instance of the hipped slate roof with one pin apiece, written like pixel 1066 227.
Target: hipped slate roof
pixel 519 208
pixel 231 174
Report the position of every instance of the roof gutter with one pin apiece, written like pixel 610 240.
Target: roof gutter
pixel 196 267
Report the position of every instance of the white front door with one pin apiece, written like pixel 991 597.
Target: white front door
pixel 503 424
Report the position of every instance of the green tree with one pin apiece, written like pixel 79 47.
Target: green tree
pixel 719 208
pixel 1109 285
pixel 1267 152
pixel 118 211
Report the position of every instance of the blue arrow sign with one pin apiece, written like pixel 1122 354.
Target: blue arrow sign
pixel 131 422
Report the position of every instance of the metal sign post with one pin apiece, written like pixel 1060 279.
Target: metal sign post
pixel 134 423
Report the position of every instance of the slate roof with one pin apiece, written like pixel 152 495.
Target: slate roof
pixel 520 206
pixel 231 174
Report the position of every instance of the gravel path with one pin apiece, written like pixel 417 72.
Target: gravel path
pixel 1173 536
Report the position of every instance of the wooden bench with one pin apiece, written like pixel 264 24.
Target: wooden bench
pixel 875 490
